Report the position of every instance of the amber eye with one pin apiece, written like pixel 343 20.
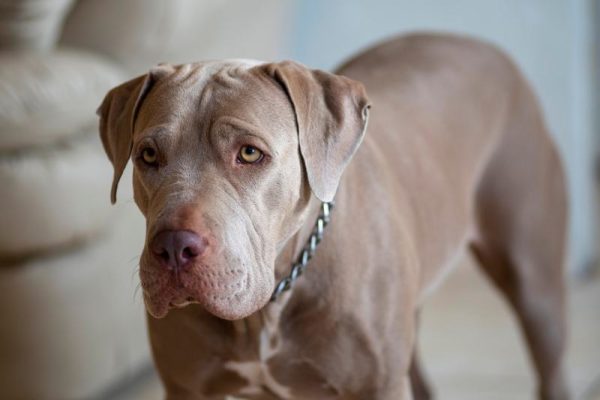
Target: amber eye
pixel 250 155
pixel 149 156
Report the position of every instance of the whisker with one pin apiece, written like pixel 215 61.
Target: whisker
pixel 137 291
pixel 135 272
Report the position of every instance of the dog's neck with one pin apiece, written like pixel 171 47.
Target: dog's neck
pixel 299 248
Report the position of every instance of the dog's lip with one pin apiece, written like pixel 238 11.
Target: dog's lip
pixel 183 302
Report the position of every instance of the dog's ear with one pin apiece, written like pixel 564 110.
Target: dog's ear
pixel 331 117
pixel 117 117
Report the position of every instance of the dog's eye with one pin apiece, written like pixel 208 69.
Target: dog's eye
pixel 149 156
pixel 250 155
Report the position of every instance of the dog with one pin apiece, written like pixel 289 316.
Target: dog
pixel 289 248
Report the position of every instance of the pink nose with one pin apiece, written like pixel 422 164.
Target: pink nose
pixel 177 249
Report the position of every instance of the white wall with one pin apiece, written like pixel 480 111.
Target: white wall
pixel 550 39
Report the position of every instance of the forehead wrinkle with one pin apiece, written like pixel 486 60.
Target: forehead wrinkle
pixel 165 106
pixel 183 97
pixel 203 121
pixel 170 91
pixel 228 74
pixel 191 74
pixel 240 127
pixel 158 132
pixel 271 104
pixel 253 107
pixel 214 94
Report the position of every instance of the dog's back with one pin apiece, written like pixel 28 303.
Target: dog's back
pixel 439 107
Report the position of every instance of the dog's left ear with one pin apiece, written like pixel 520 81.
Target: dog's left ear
pixel 331 116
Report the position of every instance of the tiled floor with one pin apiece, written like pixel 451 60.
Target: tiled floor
pixel 472 349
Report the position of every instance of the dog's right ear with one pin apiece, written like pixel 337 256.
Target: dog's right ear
pixel 117 117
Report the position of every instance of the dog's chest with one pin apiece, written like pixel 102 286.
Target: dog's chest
pixel 269 369
pixel 256 371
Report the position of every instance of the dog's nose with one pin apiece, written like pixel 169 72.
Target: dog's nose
pixel 176 249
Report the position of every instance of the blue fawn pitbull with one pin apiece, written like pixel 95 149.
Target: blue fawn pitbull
pixel 258 286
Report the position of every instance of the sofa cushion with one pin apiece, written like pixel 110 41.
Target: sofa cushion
pixel 73 324
pixel 53 196
pixel 47 97
pixel 31 24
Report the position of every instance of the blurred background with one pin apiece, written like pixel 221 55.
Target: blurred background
pixel 71 319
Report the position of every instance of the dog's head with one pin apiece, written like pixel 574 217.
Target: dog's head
pixel 226 155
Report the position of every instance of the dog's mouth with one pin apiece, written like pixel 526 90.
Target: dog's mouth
pixel 224 293
pixel 182 303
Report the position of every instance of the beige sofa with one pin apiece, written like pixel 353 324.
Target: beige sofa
pixel 71 321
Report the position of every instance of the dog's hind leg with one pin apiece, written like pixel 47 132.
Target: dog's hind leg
pixel 521 221
pixel 418 380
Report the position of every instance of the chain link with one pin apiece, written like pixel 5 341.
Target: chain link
pixel 307 252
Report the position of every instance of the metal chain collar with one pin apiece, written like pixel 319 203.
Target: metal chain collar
pixel 307 252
